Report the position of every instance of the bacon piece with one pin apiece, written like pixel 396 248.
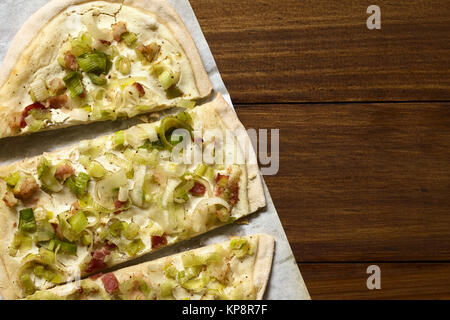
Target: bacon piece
pixel 222 177
pixel 110 282
pixel 118 205
pixel 222 182
pixel 158 242
pixel 234 197
pixel 98 260
pixel 83 95
pixel 110 246
pixel 26 188
pixel 139 88
pixel 9 199
pixel 64 171
pixel 58 231
pixel 235 173
pixel 71 61
pixel 150 52
pixel 57 102
pixel 105 42
pixel 198 190
pixel 118 30
pixel 27 110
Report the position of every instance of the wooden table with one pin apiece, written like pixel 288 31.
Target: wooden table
pixel 365 133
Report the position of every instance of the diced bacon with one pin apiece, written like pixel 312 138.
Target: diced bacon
pixel 58 231
pixel 150 52
pixel 118 30
pixel 139 88
pixel 105 42
pixel 64 171
pixel 95 264
pixel 222 182
pixel 221 177
pixel 57 101
pixel 83 95
pixel 71 61
pixel 98 260
pixel 119 204
pixel 234 197
pixel 198 190
pixel 110 246
pixel 158 242
pixel 27 110
pixel 101 254
pixel 56 85
pixel 110 282
pixel 26 188
pixel 32 202
pixel 9 199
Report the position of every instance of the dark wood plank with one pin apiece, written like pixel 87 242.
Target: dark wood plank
pixel 361 182
pixel 398 281
pixel 321 50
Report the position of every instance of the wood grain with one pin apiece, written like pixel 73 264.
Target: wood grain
pixel 361 182
pixel 321 50
pixel 398 281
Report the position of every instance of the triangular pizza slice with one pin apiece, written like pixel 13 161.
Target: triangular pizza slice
pixel 235 270
pixel 77 61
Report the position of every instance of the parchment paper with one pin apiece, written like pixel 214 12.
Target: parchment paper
pixel 286 281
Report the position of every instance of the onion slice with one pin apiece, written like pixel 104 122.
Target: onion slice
pixel 93 29
pixel 199 218
pixel 137 193
pixel 104 190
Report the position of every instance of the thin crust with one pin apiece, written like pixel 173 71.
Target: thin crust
pixel 263 264
pixel 33 26
pixel 261 267
pixel 256 195
pixel 4 282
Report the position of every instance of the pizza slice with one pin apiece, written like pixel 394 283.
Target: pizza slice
pixel 110 200
pixel 236 270
pixel 78 61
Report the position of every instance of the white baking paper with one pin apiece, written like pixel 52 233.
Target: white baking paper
pixel 286 281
